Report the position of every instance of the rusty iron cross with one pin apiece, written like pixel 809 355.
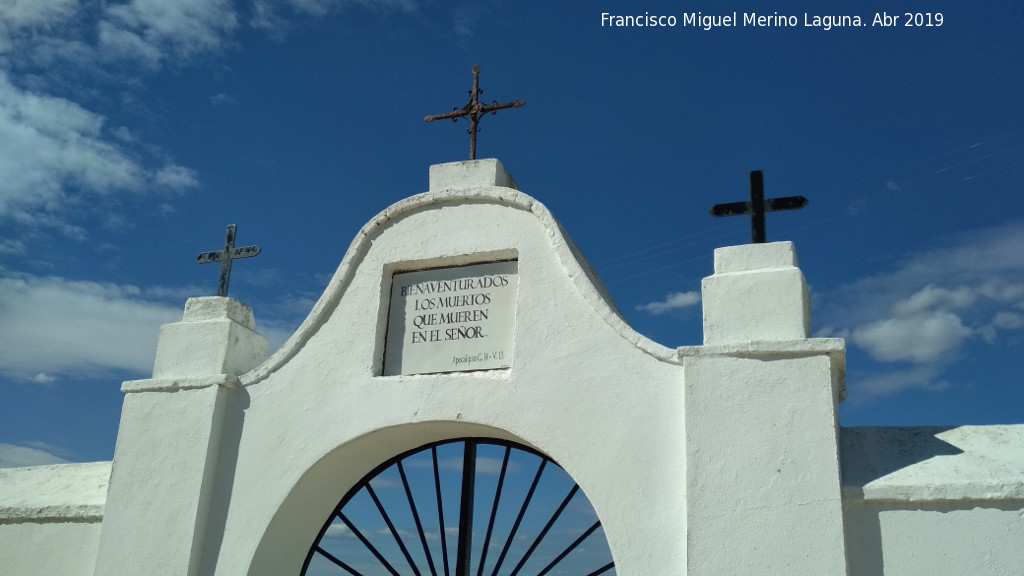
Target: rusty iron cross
pixel 757 207
pixel 225 257
pixel 474 111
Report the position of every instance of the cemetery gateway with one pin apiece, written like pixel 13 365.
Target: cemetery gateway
pixel 473 403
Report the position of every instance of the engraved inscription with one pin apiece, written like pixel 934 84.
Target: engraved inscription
pixel 452 319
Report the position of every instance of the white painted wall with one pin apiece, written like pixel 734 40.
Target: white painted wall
pixel 951 538
pixel 934 500
pixel 50 518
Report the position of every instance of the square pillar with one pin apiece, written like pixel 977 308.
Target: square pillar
pixel 763 484
pixel 166 462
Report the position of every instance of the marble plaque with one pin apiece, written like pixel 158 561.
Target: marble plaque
pixel 452 319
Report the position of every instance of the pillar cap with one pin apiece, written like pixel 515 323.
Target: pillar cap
pixel 750 257
pixel 209 308
pixel 470 174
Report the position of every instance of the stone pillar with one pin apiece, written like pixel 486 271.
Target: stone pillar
pixel 166 460
pixel 762 459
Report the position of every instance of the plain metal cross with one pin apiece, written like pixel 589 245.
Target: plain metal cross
pixel 474 111
pixel 225 257
pixel 757 207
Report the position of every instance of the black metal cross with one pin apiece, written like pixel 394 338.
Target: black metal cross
pixel 757 207
pixel 474 111
pixel 225 257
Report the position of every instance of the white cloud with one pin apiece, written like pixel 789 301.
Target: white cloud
pixel 888 383
pixel 267 15
pixel 54 154
pixel 985 254
pixel 49 143
pixel 927 309
pixel 931 297
pixel 176 177
pixel 323 7
pixel 1002 321
pixel 831 332
pixel 492 466
pixel 314 7
pixel 43 378
pixel 31 16
pixel 12 246
pixel 42 33
pixel 1008 321
pixel 120 44
pixel 146 32
pixel 221 99
pixel 177 293
pixel 13 456
pixel 1002 291
pixel 338 530
pixel 125 135
pixel 56 327
pixel 975 275
pixel 921 338
pixel 382 483
pixel 151 30
pixel 54 151
pixel 673 301
pixel 35 13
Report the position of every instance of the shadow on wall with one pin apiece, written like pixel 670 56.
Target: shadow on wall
pixel 868 454
pixel 234 404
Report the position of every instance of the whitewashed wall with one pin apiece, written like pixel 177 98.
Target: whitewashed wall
pixel 934 500
pixel 50 518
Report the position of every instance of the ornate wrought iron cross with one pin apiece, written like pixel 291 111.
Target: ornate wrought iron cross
pixel 225 257
pixel 757 207
pixel 474 111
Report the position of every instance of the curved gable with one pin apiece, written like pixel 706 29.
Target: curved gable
pixel 456 226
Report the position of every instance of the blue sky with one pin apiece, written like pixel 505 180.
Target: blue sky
pixel 132 132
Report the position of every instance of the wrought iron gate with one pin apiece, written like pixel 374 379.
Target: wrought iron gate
pixel 467 507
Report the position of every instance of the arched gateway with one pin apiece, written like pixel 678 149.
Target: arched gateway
pixel 465 320
pixel 465 362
